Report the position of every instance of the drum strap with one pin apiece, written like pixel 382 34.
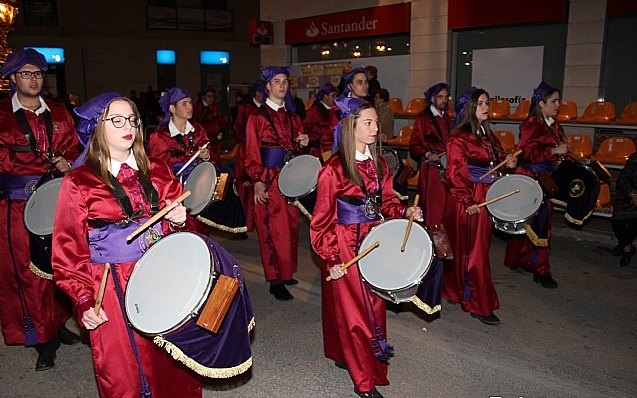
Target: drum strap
pixel 28 133
pixel 191 141
pixel 266 113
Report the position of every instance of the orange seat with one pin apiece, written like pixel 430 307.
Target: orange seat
pixel 309 103
pixel 230 155
pixel 581 145
pixel 629 114
pixel 396 105
pixel 450 110
pixel 567 112
pixel 598 112
pixel 414 107
pixel 615 150
pixel 522 111
pixel 507 139
pixel 499 109
pixel 412 182
pixel 402 139
pixel 603 199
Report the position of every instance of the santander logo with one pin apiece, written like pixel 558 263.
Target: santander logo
pixel 312 31
pixel 326 28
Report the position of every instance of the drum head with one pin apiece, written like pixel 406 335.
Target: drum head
pixel 387 268
pixel 169 283
pixel 443 160
pixel 201 183
pixel 299 176
pixel 39 211
pixel 393 160
pixel 518 207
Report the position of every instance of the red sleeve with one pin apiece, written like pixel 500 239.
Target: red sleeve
pixel 323 235
pixel 417 144
pixel 460 186
pixel 253 164
pixel 534 141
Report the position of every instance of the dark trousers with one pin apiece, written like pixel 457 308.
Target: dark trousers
pixel 625 231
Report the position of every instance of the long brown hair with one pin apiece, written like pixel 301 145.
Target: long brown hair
pixel 347 149
pixel 470 121
pixel 98 155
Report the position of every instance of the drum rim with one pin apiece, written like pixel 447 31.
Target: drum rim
pixel 199 303
pixel 365 243
pixel 194 210
pixel 533 182
pixel 45 187
pixel 313 159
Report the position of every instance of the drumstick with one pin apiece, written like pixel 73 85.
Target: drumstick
pixel 192 159
pixel 100 292
pixel 488 202
pixel 355 259
pixel 156 217
pixel 409 224
pixel 502 163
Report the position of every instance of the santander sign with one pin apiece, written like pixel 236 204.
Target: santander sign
pixel 351 24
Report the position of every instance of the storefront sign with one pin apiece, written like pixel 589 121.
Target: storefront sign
pixel 376 21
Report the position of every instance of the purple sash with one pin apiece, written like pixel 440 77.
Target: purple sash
pixel 184 174
pixel 347 213
pixel 17 187
pixel 273 156
pixel 108 244
pixel 537 168
pixel 475 172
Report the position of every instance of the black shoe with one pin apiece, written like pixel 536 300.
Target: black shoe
pixel 241 236
pixel 280 292
pixel 340 365
pixel 290 282
pixel 67 337
pixel 626 256
pixel 487 319
pixel 369 394
pixel 545 280
pixel 46 360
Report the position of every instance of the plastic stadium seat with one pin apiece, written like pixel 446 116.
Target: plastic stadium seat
pixel 603 199
pixel 507 139
pixel 615 150
pixel 581 145
pixel 522 111
pixel 629 114
pixel 598 112
pixel 396 105
pixel 309 103
pixel 412 182
pixel 450 109
pixel 567 112
pixel 414 107
pixel 499 109
pixel 402 139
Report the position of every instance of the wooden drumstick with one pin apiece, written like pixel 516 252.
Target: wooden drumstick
pixel 156 217
pixel 100 292
pixel 355 259
pixel 488 202
pixel 192 159
pixel 502 163
pixel 410 223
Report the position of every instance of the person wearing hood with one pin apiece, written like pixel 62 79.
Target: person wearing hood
pixel 317 120
pixel 207 113
pixel 37 142
pixel 355 84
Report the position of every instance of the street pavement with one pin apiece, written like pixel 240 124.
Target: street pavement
pixel 578 340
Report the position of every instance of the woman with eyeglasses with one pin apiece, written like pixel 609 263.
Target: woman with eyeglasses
pixel 100 203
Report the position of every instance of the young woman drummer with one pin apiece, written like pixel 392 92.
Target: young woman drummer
pixel 354 189
pixel 97 206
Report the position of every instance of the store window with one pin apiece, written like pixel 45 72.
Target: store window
pixel 368 47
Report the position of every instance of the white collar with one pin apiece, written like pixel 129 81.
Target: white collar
pixel 435 111
pixel 258 104
pixel 325 105
pixel 115 165
pixel 174 131
pixel 274 105
pixel 17 105
pixel 549 121
pixel 364 156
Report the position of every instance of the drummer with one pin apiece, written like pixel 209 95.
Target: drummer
pixel 104 200
pixel 271 136
pixel 542 142
pixel 317 122
pixel 354 189
pixel 176 141
pixel 472 150
pixel 37 140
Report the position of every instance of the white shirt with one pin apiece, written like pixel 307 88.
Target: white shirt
pixel 15 103
pixel 174 131
pixel 115 165
pixel 435 111
pixel 274 105
pixel 363 156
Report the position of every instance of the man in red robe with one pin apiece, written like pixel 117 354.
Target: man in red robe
pixel 271 136
pixel 37 141
pixel 317 120
pixel 208 114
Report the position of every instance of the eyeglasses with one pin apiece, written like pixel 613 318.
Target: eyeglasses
pixel 120 121
pixel 27 74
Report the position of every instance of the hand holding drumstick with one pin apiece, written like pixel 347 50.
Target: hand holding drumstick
pixel 412 212
pixel 475 209
pixel 511 161
pixel 340 270
pixel 174 212
pixel 93 317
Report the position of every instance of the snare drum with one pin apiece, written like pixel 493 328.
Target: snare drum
pixel 205 186
pixel 299 176
pixel 166 292
pixel 511 213
pixel 39 213
pixel 442 167
pixel 392 274
pixel 578 190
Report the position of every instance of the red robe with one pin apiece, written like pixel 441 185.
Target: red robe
pixel 166 148
pixel 244 185
pixel 346 328
pixel 430 134
pixel 536 141
pixel 213 122
pixel 277 221
pixel 46 310
pixel 84 196
pixel 467 278
pixel 318 127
